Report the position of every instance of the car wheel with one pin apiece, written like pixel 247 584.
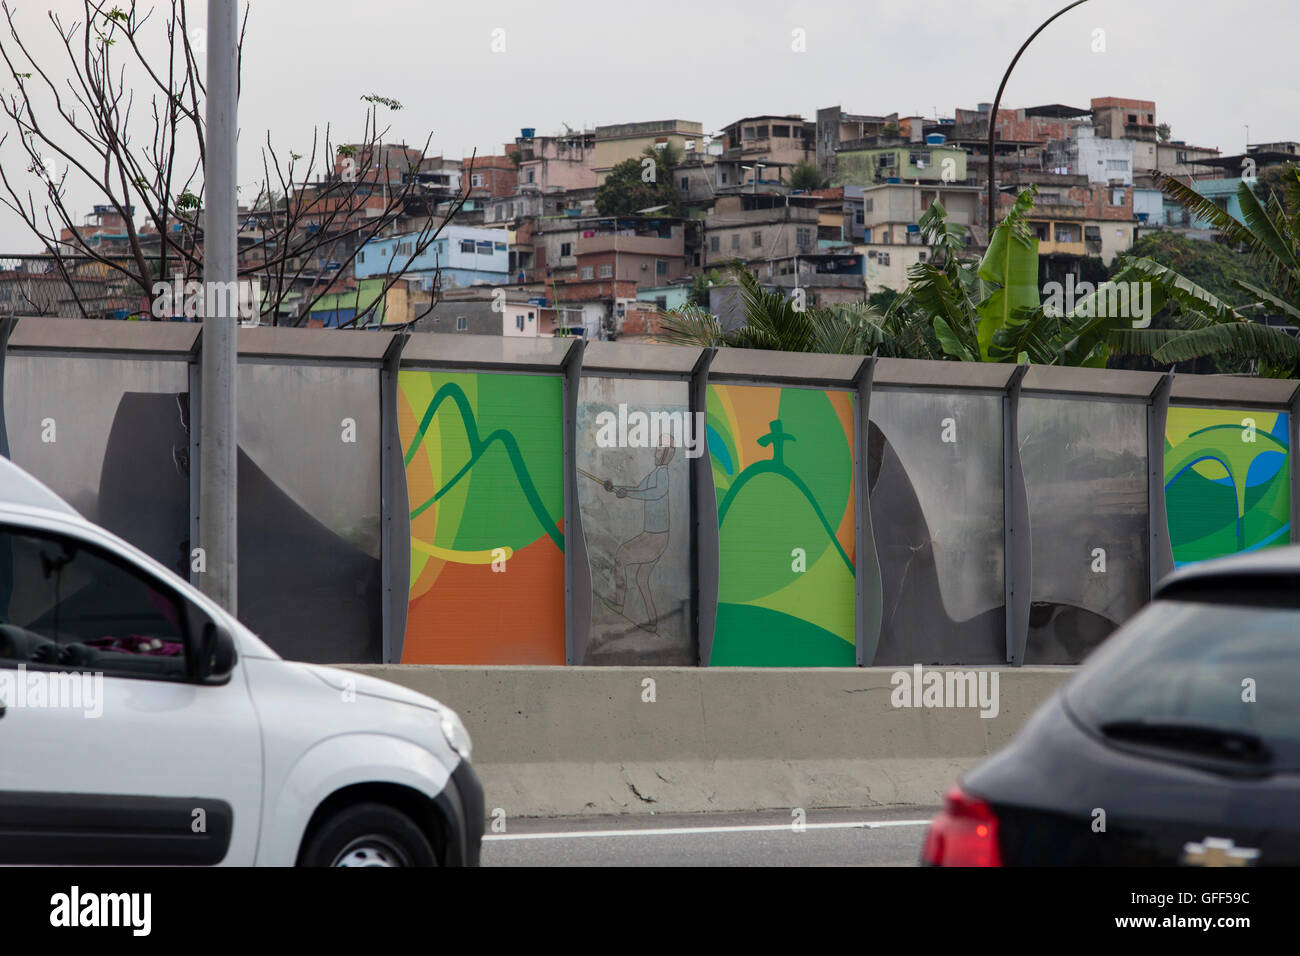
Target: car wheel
pixel 368 834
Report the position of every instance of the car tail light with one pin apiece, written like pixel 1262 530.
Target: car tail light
pixel 965 833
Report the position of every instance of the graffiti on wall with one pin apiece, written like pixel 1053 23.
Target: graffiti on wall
pixel 484 476
pixel 1227 474
pixel 634 493
pixel 782 461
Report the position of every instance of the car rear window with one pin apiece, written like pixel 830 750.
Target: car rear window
pixel 1211 665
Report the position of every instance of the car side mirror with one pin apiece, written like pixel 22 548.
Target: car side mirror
pixel 216 654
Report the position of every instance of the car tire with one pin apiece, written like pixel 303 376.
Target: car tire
pixel 367 834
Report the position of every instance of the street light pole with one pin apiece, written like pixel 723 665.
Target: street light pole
pixel 997 100
pixel 218 529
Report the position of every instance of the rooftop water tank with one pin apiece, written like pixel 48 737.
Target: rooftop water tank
pixel 935 139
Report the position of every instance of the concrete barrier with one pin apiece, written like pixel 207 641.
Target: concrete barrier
pixel 582 740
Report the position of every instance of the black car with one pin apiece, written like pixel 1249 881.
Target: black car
pixel 1178 742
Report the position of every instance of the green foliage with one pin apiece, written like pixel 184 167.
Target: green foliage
pixel 1269 234
pixel 700 285
pixel 630 186
pixel 774 321
pixel 1213 266
pixel 376 100
pixel 806 176
pixel 991 310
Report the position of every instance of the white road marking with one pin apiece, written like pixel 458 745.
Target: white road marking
pixel 679 831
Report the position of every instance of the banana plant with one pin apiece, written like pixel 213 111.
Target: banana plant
pixel 1270 233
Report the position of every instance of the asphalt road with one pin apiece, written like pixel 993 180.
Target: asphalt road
pixel 875 837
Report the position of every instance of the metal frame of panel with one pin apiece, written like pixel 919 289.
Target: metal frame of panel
pixel 387 352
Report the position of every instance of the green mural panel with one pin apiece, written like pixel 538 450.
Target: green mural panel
pixel 782 462
pixel 1227 481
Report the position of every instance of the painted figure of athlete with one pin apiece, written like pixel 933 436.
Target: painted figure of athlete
pixel 645 549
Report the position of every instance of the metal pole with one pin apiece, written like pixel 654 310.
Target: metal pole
pixel 217 493
pixel 997 100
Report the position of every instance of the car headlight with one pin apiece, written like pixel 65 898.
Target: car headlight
pixel 456 734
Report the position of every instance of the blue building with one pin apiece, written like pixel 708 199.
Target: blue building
pixel 466 255
pixel 1223 193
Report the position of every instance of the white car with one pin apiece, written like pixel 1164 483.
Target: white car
pixel 141 724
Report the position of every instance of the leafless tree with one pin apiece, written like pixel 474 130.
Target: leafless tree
pixel 83 120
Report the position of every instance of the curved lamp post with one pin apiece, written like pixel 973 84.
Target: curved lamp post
pixel 997 100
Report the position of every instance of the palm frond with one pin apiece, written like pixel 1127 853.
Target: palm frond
pixel 1248 340
pixel 693 325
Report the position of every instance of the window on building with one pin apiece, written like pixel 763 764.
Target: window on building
pixel 1132 117
pixel 867 204
pixel 920 256
pixel 565 250
pixel 760 132
pixel 1118 165
pixel 713 244
pixel 857 215
pixel 1180 156
pixel 532 175
pixel 606 270
pixel 757 237
pixel 883 258
pixel 686 184
pixel 1151 118
pixel 405 248
pixel 499 247
pixel 461 323
pixel 476 179
pixel 531 316
pixel 803 237
pixel 361 256
pixel 1040 230
pixel 1117 197
pixel 661 267
pixel 587 272
pixel 1067 232
pixel 467 246
pixel 519 322
pixel 1092 233
pixel 920 158
pixel 780 132
pixel 735 240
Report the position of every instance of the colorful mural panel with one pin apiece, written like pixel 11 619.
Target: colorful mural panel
pixel 485 489
pixel 782 461
pixel 1227 475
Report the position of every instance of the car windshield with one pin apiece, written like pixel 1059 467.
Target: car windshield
pixel 1193 678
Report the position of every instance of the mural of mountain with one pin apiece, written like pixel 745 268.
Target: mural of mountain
pixel 484 458
pixel 783 472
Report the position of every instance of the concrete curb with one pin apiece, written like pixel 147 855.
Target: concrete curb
pixel 581 740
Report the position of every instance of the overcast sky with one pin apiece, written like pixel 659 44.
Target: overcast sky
pixel 1211 68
